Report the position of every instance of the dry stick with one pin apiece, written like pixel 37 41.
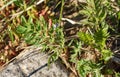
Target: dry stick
pixel 7 5
pixel 39 2
pixel 82 1
pixel 71 21
pixel 68 65
pixel 15 15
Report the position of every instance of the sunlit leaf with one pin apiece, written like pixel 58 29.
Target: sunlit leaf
pixel 106 55
pixel 21 29
pixel 87 38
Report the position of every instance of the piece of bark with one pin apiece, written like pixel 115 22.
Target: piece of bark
pixel 32 63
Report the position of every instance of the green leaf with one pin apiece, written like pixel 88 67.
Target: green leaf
pixel 103 15
pixel 83 67
pixel 23 20
pixel 11 34
pixel 18 2
pixel 20 29
pixel 118 15
pixel 76 51
pixel 84 12
pixel 106 55
pixel 117 74
pixel 53 57
pixel 86 22
pixel 118 2
pixel 87 38
pixel 101 36
pixel 30 20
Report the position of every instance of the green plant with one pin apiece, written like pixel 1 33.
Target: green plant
pixel 38 33
pixel 86 67
pixel 76 51
pixel 95 36
pixel 22 22
pixel 88 54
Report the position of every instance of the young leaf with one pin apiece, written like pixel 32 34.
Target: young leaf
pixel 87 38
pixel 20 29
